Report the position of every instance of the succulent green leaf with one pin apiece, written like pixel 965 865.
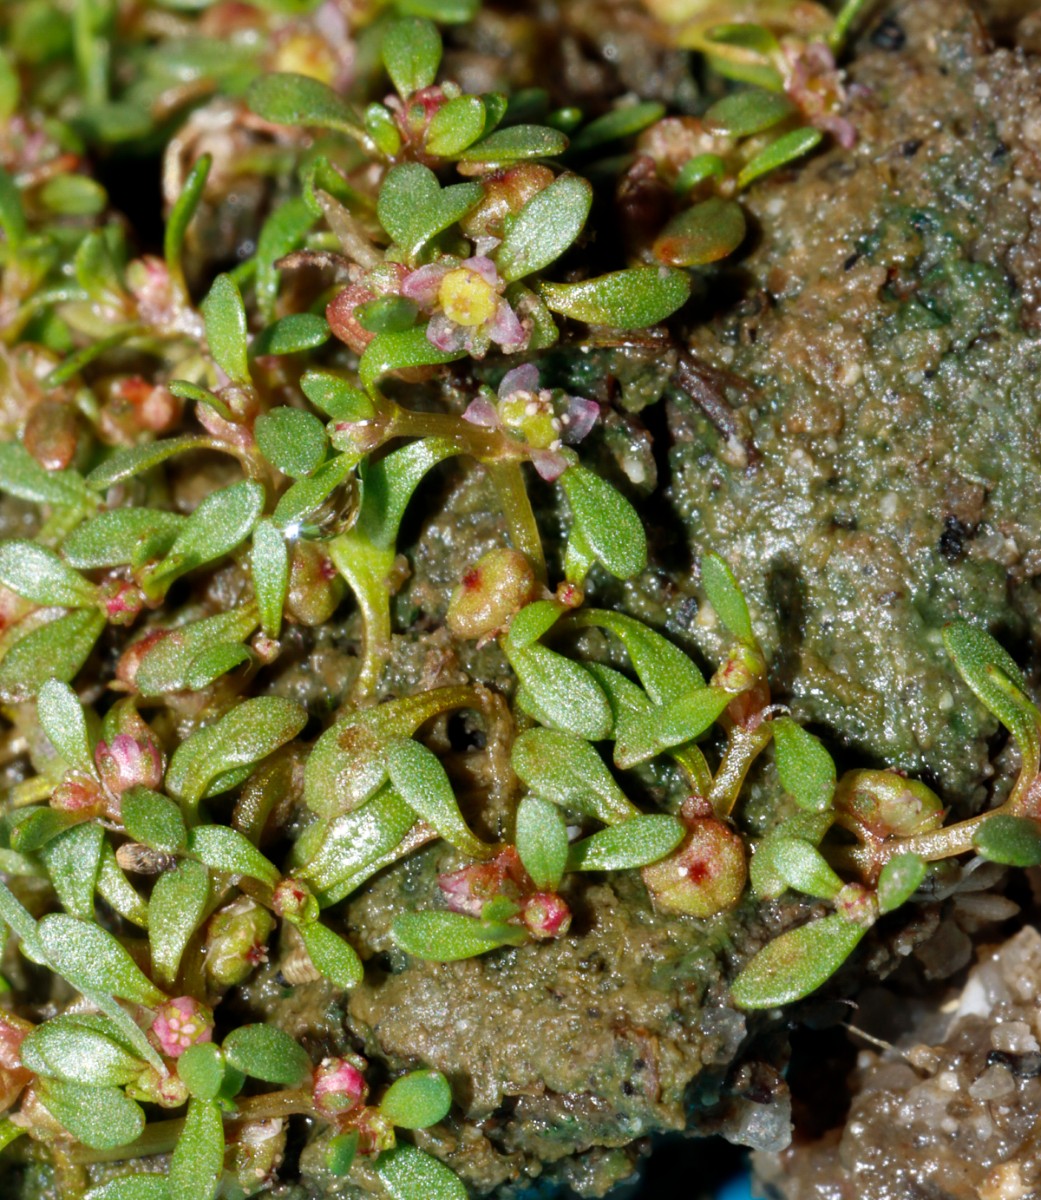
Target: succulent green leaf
pixel 338 399
pixel 747 112
pixel 175 912
pixel 333 958
pixel 181 215
pixel 805 768
pixel 136 460
pixel 221 522
pixel 292 334
pixel 167 666
pixel 411 54
pixel 545 227
pixel 304 500
pixel 282 232
pixel 422 782
pixel 246 734
pixel 622 122
pixel 225 849
pixel 630 299
pixel 456 125
pixel 292 440
pixel 397 351
pixel 269 566
pixel 726 597
pixel 702 234
pixel 781 151
pixel 663 669
pixel 61 717
pixel 609 524
pixel 122 536
pixel 532 622
pixel 12 215
pixel 1015 841
pixel 289 99
pixel 516 142
pixel 80 1048
pixel 542 841
pixel 417 1100
pixel 902 876
pixel 90 958
pixel 407 1173
pixel 782 862
pixel 696 170
pixel 56 650
pixel 982 663
pixel 114 888
pixel 33 828
pixel 267 1053
pixel 73 860
pixel 22 476
pixel 197 1163
pixel 391 482
pixel 569 772
pixel 413 207
pixel 796 963
pixel 154 821
pixel 201 1068
pixel 99 1117
pixel 22 924
pixel 349 844
pixel 39 575
pixel 446 12
pixel 560 693
pixel 131 1187
pixel 343 1149
pixel 448 936
pixel 641 840
pixel 225 318
pixel 646 734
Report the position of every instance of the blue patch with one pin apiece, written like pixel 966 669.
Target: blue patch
pixel 737 1189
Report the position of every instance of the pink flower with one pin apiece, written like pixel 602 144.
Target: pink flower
pixel 815 85
pixel 78 793
pixel 544 419
pixel 180 1024
pixel 129 762
pixel 339 1085
pixel 469 309
pixel 469 889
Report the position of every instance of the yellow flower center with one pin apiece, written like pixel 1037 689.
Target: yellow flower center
pixel 467 298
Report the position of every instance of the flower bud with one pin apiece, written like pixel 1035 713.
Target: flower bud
pixel 339 1085
pixel 122 601
pixel 129 762
pixel 315 586
pixel 181 1023
pixel 705 876
pixel 52 433
pixel 166 1090
pixel 375 1131
pixel 858 904
pixel 469 889
pixel 885 804
pixel 293 902
pixel 79 793
pixel 236 941
pixel 491 593
pixel 13 1076
pixel 546 915
pixel 505 193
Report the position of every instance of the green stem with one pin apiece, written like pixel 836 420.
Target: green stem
pixel 520 517
pixel 367 569
pixel 742 749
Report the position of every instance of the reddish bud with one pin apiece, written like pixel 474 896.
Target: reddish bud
pixel 705 876
pixel 339 1085
pixel 884 804
pixel 469 889
pixel 858 904
pixel 52 434
pixel 315 586
pixel 500 584
pixel 236 941
pixel 128 763
pixel 122 601
pixel 79 793
pixel 546 915
pixel 293 902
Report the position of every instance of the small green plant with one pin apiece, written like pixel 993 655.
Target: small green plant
pixel 175 811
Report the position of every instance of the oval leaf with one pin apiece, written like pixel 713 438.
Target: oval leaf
pixel 1015 841
pixel 61 716
pixel 726 597
pixel 902 876
pixel 568 771
pixel 609 524
pixel 99 1117
pixel 40 576
pixel 197 1162
pixel 422 782
pixel 333 958
pixel 702 234
pixel 446 936
pixel 82 1048
pixel 226 849
pixel 122 536
pixel 630 299
pixel 542 842
pixel 292 440
pixel 634 843
pixel 91 958
pixel 797 963
pixel 411 54
pixel 545 227
pixel 225 318
pixel 267 1053
pixel 417 1100
pixel 289 99
pixel 408 1173
pixel 175 912
pixel 805 768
